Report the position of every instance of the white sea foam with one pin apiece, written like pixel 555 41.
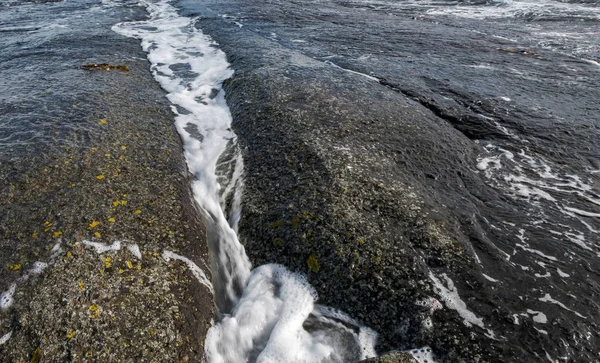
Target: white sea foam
pixel 5 337
pixel 423 355
pixel 103 247
pixel 55 251
pixel 351 71
pixel 135 250
pixel 547 187
pixel 115 246
pixel 518 8
pixel 431 303
pixel 583 212
pixel 265 323
pixel 449 295
pixel 538 316
pixel 489 278
pixel 38 267
pixel 6 298
pixel 547 298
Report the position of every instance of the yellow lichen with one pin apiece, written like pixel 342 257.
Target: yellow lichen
pixel 47 224
pixel 36 356
pixel 102 122
pixel 70 334
pixel 57 234
pixel 97 234
pixel 81 285
pixel 129 264
pixel 34 235
pixel 111 220
pixel 121 270
pixel 309 215
pixel 15 267
pixel 94 224
pixel 137 211
pixel 94 307
pixel 313 264
pixel 100 177
pixel 123 202
pixel 116 203
pixel 123 147
pixel 69 254
pixel 107 262
pixel 295 222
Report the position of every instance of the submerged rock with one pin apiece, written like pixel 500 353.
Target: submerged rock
pixel 89 210
pixel 104 67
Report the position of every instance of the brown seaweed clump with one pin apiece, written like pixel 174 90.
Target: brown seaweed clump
pixel 104 67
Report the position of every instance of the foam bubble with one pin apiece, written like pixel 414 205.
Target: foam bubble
pixel 102 247
pixel 423 355
pixel 6 337
pixel 135 250
pixel 431 303
pixel 6 298
pixel 38 267
pixel 538 316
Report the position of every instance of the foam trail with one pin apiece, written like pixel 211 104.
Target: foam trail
pixel 265 312
pixel 191 69
pixel 196 271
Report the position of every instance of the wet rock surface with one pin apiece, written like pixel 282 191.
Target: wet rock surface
pixel 394 357
pixel 370 189
pixel 105 166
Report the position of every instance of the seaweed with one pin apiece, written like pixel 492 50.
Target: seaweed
pixel 104 67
